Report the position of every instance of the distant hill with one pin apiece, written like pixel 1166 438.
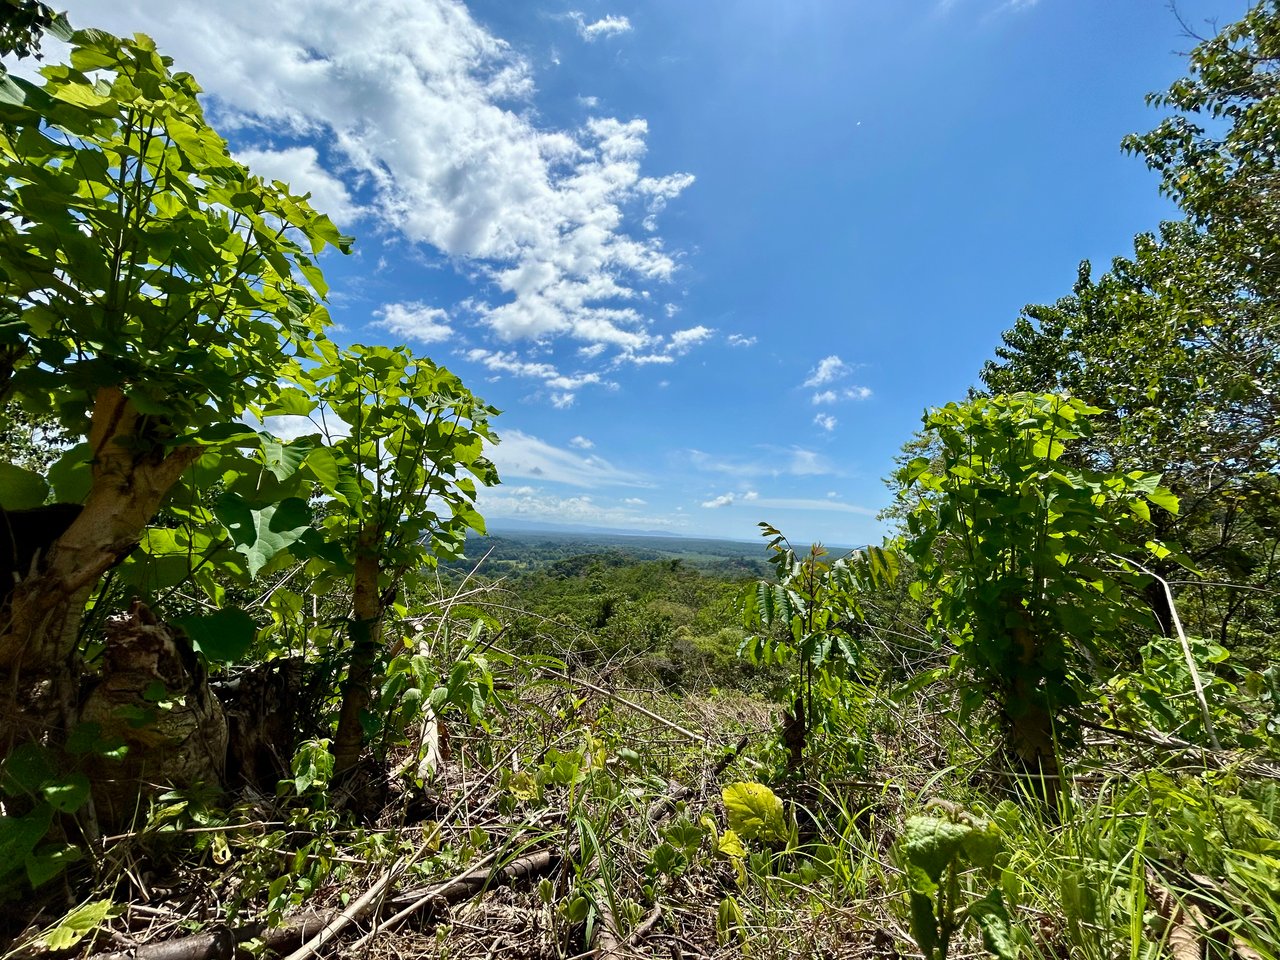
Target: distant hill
pixel 522 547
pixel 510 525
pixel 513 551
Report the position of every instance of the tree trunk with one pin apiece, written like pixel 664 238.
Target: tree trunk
pixel 1032 755
pixel 366 640
pixel 1031 747
pixel 40 627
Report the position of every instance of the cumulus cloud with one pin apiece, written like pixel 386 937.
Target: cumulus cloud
pixel 300 168
pixel 825 421
pixel 415 321
pixel 582 443
pixel 525 456
pixel 682 341
pixel 828 370
pixel 738 340
pixel 532 503
pixel 609 26
pixel 847 393
pixel 727 499
pixel 414 115
pixel 562 386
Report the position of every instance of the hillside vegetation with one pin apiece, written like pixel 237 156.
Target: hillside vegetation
pixel 268 696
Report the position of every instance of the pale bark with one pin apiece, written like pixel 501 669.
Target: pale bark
pixel 39 629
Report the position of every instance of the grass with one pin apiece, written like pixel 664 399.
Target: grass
pixel 625 789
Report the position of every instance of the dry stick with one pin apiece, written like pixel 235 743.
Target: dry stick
pixel 1186 652
pixel 670 725
pixel 635 936
pixel 354 912
pixel 212 945
pixel 392 922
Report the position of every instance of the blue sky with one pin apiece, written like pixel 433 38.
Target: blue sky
pixel 713 260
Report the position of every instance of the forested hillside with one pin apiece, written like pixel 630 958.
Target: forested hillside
pixel 271 693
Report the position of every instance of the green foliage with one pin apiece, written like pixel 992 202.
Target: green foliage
pixel 23 24
pixel 1160 694
pixel 403 450
pixel 937 852
pixel 755 812
pixel 80 922
pixel 224 636
pixel 1026 554
pixel 40 785
pixel 138 255
pixel 813 613
pixel 1216 151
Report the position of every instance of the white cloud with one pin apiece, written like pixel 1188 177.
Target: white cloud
pixel 635 502
pixel 426 122
pixel 848 393
pixel 582 443
pixel 828 369
pixel 682 341
pixel 609 26
pixel 530 503
pixel 562 387
pixel 738 340
pixel 300 168
pixel 322 421
pixel 825 421
pixel 522 455
pixel 728 499
pixel 416 321
pixel 805 463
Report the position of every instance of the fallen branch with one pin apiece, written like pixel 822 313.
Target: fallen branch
pixel 356 911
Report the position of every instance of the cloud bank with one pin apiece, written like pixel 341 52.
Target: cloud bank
pixel 411 118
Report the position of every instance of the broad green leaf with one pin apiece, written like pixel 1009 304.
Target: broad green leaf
pixel 931 843
pixel 78 924
pixel 1164 499
pixel 20 835
pixel 260 534
pixel 755 812
pixel 290 402
pixel 284 459
pixel 221 637
pixel 324 467
pixel 730 844
pixel 49 861
pixel 71 475
pixel 67 794
pixel 21 489
pixel 993 920
pixel 924 925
